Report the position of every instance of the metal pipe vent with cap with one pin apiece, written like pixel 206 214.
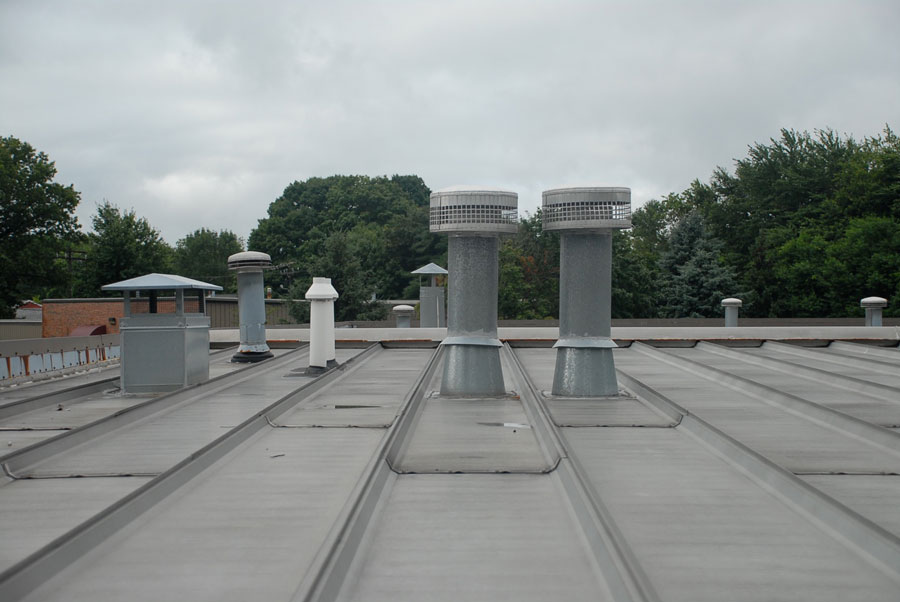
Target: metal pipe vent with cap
pixel 249 266
pixel 474 218
pixel 585 217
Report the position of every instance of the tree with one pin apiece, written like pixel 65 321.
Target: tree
pixel 529 272
pixel 386 219
pixel 694 280
pixel 203 255
pixel 340 262
pixel 37 221
pixel 121 246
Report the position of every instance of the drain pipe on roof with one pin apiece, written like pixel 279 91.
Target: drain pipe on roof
pixel 474 218
pixel 249 266
pixel 321 296
pixel 873 307
pixel 732 307
pixel 585 218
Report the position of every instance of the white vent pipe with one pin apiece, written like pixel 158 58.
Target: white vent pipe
pixel 321 296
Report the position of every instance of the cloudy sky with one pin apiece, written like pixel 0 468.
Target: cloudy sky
pixel 199 113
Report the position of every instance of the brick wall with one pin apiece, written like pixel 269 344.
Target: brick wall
pixel 61 316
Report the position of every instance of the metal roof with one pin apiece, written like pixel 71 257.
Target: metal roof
pixel 153 282
pixel 753 468
pixel 431 268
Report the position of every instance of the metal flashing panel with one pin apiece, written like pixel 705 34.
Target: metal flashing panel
pixel 711 476
pixel 154 282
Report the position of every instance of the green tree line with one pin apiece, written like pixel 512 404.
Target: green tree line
pixel 803 226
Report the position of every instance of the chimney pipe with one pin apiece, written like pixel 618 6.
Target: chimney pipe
pixel 321 296
pixel 585 218
pixel 873 307
pixel 474 218
pixel 249 266
pixel 732 307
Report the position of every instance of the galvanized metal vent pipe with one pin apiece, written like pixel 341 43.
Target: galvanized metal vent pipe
pixel 474 218
pixel 874 307
pixel 585 218
pixel 321 296
pixel 732 307
pixel 249 266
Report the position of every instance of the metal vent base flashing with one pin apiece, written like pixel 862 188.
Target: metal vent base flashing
pixel 471 371
pixel 584 372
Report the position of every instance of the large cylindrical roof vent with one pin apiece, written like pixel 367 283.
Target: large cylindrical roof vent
pixel 249 266
pixel 586 208
pixel 474 217
pixel 585 217
pixel 474 209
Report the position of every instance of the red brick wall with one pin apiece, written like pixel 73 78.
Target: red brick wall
pixel 61 316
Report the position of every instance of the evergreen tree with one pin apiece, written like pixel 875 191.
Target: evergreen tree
pixel 694 280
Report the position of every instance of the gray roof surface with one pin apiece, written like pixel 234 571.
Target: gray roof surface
pixel 767 472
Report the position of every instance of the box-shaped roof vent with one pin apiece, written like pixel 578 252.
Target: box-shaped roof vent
pixel 587 208
pixel 474 209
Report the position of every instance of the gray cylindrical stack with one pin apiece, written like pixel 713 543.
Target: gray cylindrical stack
pixel 474 218
pixel 585 218
pixel 874 307
pixel 249 266
pixel 732 307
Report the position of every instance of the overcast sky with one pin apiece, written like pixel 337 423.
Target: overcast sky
pixel 199 113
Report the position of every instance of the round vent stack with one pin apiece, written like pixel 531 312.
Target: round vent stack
pixel 874 307
pixel 585 218
pixel 321 296
pixel 732 307
pixel 474 217
pixel 249 266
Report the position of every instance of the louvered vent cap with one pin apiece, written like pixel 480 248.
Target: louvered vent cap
pixel 474 209
pixel 586 208
pixel 249 259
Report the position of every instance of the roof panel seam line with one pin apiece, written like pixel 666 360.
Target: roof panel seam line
pixel 43 450
pixel 623 573
pixel 826 513
pixel 329 570
pixel 29 573
pixel 871 541
pixel 870 364
pixel 833 420
pixel 848 383
pixel 70 394
pixel 860 350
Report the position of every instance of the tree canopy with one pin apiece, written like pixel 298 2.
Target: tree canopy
pixel 121 246
pixel 37 222
pixel 384 220
pixel 203 255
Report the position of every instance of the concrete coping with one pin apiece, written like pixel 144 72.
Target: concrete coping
pixel 404 309
pixel 732 302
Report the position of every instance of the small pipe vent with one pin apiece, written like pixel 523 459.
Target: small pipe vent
pixel 473 210
pixel 587 208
